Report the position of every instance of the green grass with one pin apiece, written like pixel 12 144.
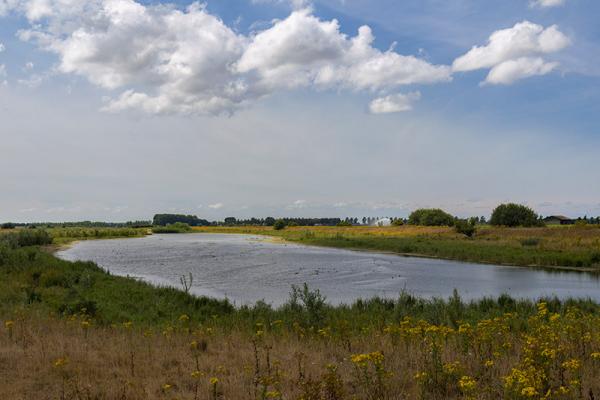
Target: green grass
pixel 32 279
pixel 463 250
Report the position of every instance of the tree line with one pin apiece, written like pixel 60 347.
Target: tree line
pixel 509 214
pixel 77 224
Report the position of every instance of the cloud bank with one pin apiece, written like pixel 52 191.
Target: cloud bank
pixel 160 59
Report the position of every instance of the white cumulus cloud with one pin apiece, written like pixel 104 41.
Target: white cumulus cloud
pixel 547 3
pixel 514 53
pixel 394 103
pixel 161 59
pixel 512 70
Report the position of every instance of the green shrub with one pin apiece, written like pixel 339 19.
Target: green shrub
pixel 177 227
pixel 23 238
pixel 398 222
pixel 465 227
pixel 430 217
pixel 343 223
pixel 512 215
pixel 279 225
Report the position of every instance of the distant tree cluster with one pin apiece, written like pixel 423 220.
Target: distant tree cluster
pixel 270 221
pixel 169 219
pixel 587 221
pixel 430 217
pixel 512 215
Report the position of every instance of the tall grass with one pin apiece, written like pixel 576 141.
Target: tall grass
pixel 65 235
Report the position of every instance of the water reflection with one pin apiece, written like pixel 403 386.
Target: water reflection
pixel 246 269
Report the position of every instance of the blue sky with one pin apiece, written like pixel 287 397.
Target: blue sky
pixel 284 113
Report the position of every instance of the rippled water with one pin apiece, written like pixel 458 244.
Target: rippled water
pixel 246 269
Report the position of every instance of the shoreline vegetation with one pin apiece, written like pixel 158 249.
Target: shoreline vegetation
pixel 572 247
pixel 71 330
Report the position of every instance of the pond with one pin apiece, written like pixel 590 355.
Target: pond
pixel 245 269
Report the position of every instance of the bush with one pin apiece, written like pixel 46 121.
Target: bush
pixel 29 237
pixel 465 227
pixel 430 217
pixel 279 225
pixel 177 227
pixel 398 222
pixel 8 225
pixel 343 223
pixel 512 215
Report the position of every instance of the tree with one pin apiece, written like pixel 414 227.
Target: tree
pixel 269 221
pixel 166 219
pixel 430 217
pixel 512 215
pixel 230 221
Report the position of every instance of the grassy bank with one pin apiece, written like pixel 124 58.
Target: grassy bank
pixel 576 247
pixel 63 236
pixel 73 331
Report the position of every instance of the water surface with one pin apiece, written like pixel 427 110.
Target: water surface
pixel 247 268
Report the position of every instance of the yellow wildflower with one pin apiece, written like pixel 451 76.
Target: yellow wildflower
pixel 184 318
pixel 529 391
pixel 572 364
pixel 197 374
pixel 60 362
pixel 420 376
pixel 467 383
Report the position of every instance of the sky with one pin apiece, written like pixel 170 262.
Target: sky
pixel 118 109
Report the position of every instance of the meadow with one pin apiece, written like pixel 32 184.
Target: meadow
pixel 561 246
pixel 70 330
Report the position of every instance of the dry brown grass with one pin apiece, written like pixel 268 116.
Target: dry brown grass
pixel 46 358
